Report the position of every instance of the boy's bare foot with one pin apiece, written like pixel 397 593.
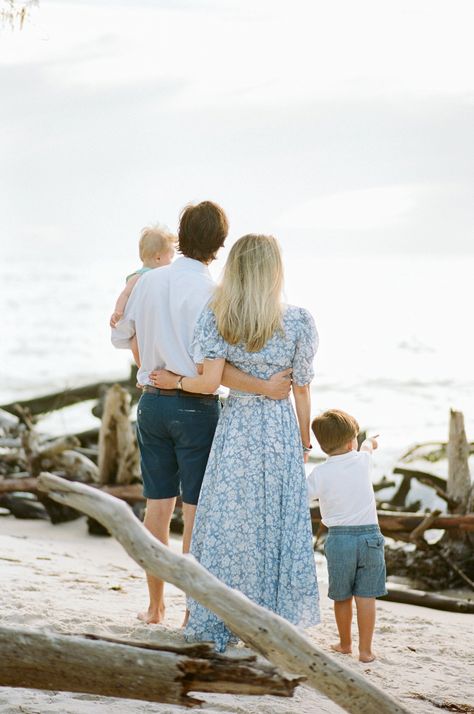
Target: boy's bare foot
pixel 347 649
pixel 366 657
pixel 152 617
pixel 186 618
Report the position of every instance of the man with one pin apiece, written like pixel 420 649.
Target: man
pixel 175 428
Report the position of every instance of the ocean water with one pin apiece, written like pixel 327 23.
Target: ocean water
pixel 396 343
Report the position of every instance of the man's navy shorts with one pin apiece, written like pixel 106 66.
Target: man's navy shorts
pixel 175 435
pixel 356 563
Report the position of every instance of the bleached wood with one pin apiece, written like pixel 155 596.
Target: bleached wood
pixel 118 450
pixel 394 522
pixel 56 446
pixel 425 599
pixel 112 668
pixel 459 477
pixel 417 534
pixel 270 635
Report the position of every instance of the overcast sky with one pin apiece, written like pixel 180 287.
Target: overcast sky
pixel 337 125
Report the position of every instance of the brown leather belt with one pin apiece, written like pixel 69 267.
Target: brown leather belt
pixel 178 393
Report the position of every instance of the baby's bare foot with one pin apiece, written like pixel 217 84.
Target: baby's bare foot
pixel 366 657
pixel 346 649
pixel 152 617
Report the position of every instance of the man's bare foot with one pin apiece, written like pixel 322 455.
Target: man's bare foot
pixel 366 657
pixel 347 649
pixel 186 618
pixel 152 616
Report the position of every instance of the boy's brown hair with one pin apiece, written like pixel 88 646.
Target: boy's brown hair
pixel 333 429
pixel 202 230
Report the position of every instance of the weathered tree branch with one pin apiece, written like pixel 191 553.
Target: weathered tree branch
pixel 422 476
pixel 272 636
pixel 66 397
pixel 118 449
pixel 394 522
pixel 424 599
pixel 459 479
pixel 134 670
pixel 416 536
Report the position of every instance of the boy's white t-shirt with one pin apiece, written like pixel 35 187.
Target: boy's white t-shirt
pixel 344 488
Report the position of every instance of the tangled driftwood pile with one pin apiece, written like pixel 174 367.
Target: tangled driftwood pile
pixel 107 458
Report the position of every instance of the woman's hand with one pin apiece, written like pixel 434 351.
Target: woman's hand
pixel 163 379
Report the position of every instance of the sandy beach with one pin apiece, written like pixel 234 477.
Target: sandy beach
pixel 60 578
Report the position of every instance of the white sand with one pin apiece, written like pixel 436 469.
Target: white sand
pixel 60 578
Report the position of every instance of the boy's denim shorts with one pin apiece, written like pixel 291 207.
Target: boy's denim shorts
pixel 356 563
pixel 175 436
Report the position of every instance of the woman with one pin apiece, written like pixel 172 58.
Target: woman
pixel 252 527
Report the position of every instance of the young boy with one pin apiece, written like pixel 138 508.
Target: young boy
pixel 156 249
pixel 354 546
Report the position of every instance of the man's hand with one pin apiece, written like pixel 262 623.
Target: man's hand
pixel 278 386
pixel 163 379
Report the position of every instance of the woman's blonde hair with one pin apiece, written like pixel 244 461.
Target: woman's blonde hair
pixel 155 240
pixel 247 303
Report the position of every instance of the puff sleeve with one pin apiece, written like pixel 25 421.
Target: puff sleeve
pixel 306 346
pixel 207 342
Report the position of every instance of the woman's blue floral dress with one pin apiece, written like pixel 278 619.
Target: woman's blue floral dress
pixel 252 527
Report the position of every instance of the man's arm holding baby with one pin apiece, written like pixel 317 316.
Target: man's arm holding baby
pixel 122 300
pixel 124 332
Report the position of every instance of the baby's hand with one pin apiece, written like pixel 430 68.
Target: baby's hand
pixel 116 317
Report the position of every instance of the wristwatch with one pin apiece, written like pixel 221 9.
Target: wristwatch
pixel 179 385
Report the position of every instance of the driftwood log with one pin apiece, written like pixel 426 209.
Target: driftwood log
pixel 436 602
pixel 118 449
pixel 450 561
pixel 393 523
pixel 132 493
pixel 459 487
pixel 113 668
pixel 67 397
pixel 270 635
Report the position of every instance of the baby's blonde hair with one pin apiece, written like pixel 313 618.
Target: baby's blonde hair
pixel 155 240
pixel 247 303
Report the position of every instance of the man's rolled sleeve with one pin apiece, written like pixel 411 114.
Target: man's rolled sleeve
pixel 121 335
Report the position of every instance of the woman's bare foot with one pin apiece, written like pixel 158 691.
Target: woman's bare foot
pixel 366 657
pixel 152 616
pixel 186 618
pixel 347 649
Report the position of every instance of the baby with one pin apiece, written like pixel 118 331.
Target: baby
pixel 354 547
pixel 156 249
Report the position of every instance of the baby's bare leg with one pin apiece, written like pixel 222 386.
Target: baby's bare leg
pixel 366 623
pixel 343 615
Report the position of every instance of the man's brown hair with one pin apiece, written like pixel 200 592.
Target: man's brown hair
pixel 333 429
pixel 202 230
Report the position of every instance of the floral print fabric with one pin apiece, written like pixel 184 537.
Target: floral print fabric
pixel 252 527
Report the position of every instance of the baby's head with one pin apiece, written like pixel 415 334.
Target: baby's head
pixel 336 432
pixel 156 246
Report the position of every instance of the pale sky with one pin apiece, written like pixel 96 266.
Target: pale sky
pixel 336 125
